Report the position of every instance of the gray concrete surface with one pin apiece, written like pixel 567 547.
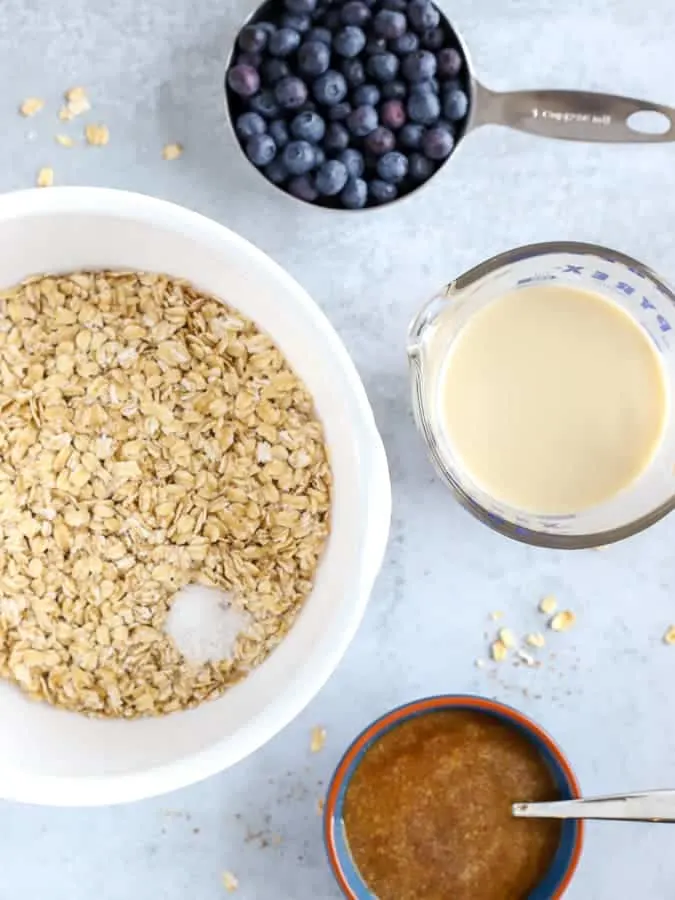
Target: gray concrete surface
pixel 154 72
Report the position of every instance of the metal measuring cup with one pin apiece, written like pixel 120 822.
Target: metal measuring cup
pixel 566 115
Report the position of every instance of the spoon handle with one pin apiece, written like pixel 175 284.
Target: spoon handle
pixel 650 806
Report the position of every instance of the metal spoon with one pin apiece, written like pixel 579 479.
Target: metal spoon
pixel 650 806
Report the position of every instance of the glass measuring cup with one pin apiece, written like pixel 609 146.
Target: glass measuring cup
pixel 642 294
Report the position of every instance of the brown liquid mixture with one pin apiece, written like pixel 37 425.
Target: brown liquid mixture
pixel 427 814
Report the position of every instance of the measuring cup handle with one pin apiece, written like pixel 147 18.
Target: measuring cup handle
pixel 573 115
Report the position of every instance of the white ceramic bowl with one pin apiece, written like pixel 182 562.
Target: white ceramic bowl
pixel 53 757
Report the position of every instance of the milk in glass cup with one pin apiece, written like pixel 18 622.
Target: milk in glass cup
pixel 641 304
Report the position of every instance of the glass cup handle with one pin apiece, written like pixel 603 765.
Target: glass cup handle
pixel 576 115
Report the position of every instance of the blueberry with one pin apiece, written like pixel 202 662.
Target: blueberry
pixel 331 19
pixel 353 161
pixel 299 157
pixel 308 126
pixel 354 194
pixel 278 129
pixel 248 124
pixel 450 84
pixel 274 69
pixel 376 45
pixel 455 105
pixel 330 88
pixel 300 6
pixel 303 187
pixel 429 85
pixel 254 60
pixel 380 141
pixel 419 65
pixel 362 120
pixel 433 38
pixel 366 95
pixel 448 126
pixel 331 178
pixel 392 114
pixel 406 43
pixel 276 171
pixel 265 104
pixel 313 58
pixel 290 92
pixel 423 15
pixel 424 107
pixel 437 143
pixel 268 27
pixel 394 90
pixel 261 149
pixel 449 62
pixel 354 72
pixel 253 39
pixel 410 136
pixel 320 34
pixel 389 24
pixel 284 42
pixel 243 80
pixel 383 66
pixel 355 13
pixel 319 156
pixel 392 167
pixel 381 191
pixel 339 112
pixel 398 5
pixel 337 138
pixel 297 22
pixel 420 168
pixel 349 41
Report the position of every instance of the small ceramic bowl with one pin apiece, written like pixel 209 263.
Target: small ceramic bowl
pixel 559 875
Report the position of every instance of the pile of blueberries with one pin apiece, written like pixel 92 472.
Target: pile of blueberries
pixel 348 103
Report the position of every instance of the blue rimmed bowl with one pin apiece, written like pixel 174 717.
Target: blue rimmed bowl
pixel 556 880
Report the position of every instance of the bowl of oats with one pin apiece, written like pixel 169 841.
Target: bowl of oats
pixel 194 497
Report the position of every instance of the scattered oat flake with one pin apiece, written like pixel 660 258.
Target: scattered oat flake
pixel 77 103
pixel 479 663
pixel 498 651
pixel 525 657
pixel 31 106
pixel 97 135
pixel 230 882
pixel 535 640
pixel 65 140
pixel 318 739
pixel 76 95
pixel 562 621
pixel 548 605
pixel 507 637
pixel 496 616
pixel 669 636
pixel 172 151
pixel 45 177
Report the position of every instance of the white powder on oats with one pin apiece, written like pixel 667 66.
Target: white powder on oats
pixel 204 624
